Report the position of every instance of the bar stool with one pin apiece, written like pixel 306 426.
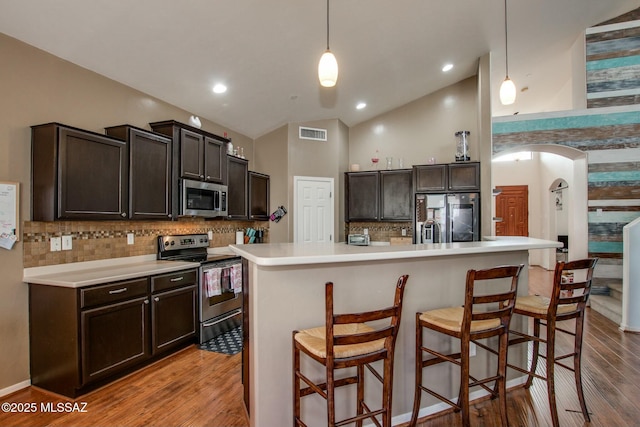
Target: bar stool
pixel 346 341
pixel 568 301
pixel 483 315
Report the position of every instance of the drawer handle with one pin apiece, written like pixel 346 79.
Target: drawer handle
pixel 117 291
pixel 177 279
pixel 235 313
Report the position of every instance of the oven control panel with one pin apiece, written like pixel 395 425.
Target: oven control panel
pixel 186 241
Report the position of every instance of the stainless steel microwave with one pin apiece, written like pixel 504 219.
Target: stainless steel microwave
pixel 203 199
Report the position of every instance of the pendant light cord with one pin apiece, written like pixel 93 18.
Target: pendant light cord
pixel 506 48
pixel 327 24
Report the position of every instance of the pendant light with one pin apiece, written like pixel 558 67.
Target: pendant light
pixel 508 88
pixel 328 66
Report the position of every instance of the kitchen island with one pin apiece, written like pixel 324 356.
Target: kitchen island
pixel 284 291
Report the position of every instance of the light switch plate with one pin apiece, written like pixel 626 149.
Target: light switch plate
pixel 67 243
pixel 56 244
pixel 130 239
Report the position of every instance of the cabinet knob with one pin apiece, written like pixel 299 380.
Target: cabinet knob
pixel 146 301
pixel 123 214
pixel 156 299
pixel 201 176
pixel 170 216
pixel 208 177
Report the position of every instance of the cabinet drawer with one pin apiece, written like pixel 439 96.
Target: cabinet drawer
pixel 174 280
pixel 113 292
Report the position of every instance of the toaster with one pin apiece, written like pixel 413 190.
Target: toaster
pixel 358 239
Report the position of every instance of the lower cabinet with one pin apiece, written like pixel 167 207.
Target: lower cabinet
pixel 83 338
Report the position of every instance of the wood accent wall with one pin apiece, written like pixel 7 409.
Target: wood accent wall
pixel 613 62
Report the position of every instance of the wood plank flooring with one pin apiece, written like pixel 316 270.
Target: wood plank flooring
pixel 201 388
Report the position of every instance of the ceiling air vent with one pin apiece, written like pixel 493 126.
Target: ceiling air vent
pixel 312 134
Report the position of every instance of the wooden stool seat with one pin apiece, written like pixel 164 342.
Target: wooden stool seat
pixel 314 340
pixel 451 318
pixel 346 341
pixel 536 304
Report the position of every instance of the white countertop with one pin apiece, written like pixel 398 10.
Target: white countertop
pixel 280 254
pixel 80 274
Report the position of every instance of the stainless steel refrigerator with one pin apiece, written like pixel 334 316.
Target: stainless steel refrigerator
pixel 444 218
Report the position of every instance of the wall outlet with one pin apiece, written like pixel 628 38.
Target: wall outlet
pixel 130 239
pixel 365 231
pixel 56 244
pixel 67 243
pixel 210 235
pixel 404 231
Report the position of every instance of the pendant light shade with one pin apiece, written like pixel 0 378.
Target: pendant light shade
pixel 507 92
pixel 328 65
pixel 328 69
pixel 508 88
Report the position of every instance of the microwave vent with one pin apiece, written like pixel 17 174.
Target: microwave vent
pixel 312 133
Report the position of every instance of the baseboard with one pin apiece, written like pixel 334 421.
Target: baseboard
pixel 626 328
pixel 15 387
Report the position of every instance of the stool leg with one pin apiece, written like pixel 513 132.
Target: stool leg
pixel 418 382
pixel 463 399
pixel 331 399
pixel 296 385
pixel 551 384
pixel 501 383
pixel 535 352
pixel 577 366
pixel 387 388
pixel 360 396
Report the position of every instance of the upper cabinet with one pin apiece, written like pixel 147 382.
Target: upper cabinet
pixel 379 196
pixel 197 154
pixel 149 172
pixel 440 178
pixel 258 196
pixel 238 187
pixel 77 174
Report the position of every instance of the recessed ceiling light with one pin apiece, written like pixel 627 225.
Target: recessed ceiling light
pixel 361 105
pixel 219 88
pixel 447 67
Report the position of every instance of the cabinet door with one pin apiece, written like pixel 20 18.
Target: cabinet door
pixel 362 195
pixel 113 338
pixel 430 178
pixel 173 318
pixel 237 182
pixel 150 176
pixel 213 160
pixel 93 174
pixel 464 176
pixel 395 195
pixel 191 155
pixel 258 196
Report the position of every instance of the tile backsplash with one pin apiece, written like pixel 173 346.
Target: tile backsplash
pixel 379 231
pixel 96 240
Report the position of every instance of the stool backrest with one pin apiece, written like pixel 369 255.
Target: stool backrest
pixel 499 305
pixel 571 285
pixel 388 332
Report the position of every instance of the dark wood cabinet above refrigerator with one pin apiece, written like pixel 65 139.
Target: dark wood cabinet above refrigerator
pixel 444 178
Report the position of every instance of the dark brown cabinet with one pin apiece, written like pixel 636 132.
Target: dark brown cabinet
pixel 173 310
pixel 362 196
pixel 379 196
pixel 258 196
pixel 81 338
pixel 396 195
pixel 443 178
pixel 149 172
pixel 238 187
pixel 77 174
pixel 430 178
pixel 464 176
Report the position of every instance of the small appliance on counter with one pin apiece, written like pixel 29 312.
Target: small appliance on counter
pixel 358 239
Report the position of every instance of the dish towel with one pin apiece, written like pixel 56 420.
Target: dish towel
pixel 212 284
pixel 236 278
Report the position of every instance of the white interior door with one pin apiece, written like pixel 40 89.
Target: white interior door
pixel 313 214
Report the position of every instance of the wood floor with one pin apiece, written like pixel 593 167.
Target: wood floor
pixel 201 388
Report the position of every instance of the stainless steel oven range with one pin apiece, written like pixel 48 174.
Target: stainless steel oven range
pixel 220 290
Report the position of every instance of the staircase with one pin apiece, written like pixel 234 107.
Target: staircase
pixel 610 306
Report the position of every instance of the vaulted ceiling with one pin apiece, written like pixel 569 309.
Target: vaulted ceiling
pixel 267 52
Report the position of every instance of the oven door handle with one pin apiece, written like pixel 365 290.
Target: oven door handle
pixel 235 313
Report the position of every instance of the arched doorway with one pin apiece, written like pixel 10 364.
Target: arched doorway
pixel 551 163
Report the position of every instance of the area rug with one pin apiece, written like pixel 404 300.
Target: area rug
pixel 227 343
